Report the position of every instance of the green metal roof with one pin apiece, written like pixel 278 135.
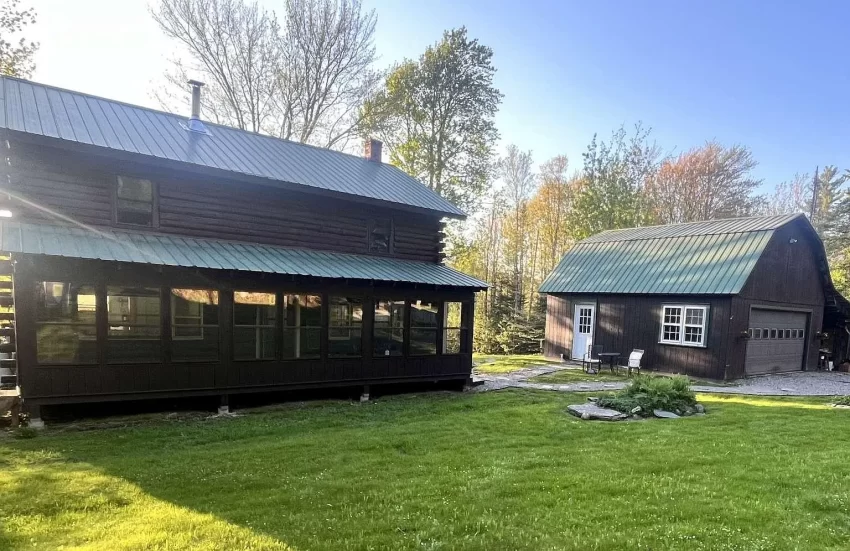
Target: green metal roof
pixel 701 258
pixel 170 250
pixel 73 117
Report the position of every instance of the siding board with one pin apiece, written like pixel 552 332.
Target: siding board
pixel 626 322
pixel 66 186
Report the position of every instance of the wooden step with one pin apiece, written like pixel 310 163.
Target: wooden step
pixel 6 301
pixel 6 267
pixel 5 284
pixel 8 347
pixel 7 316
pixel 7 331
pixel 8 382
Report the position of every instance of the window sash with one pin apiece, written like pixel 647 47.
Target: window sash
pixel 129 206
pixel 678 325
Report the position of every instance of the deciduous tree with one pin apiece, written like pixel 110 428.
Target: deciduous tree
pixel 518 178
pixel 615 174
pixel 436 115
pixel 16 52
pixel 704 183
pixel 303 79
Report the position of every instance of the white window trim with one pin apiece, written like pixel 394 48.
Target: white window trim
pixel 682 325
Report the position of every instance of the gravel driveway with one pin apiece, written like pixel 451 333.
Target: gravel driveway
pixel 800 383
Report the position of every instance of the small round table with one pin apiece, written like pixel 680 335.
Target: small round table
pixel 611 356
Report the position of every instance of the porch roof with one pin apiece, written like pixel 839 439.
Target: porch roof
pixel 108 244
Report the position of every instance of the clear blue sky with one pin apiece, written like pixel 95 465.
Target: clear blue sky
pixel 773 77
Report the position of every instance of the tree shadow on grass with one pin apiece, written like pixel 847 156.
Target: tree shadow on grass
pixel 506 470
pixel 60 503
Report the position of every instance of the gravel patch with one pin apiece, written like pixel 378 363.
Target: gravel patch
pixel 800 383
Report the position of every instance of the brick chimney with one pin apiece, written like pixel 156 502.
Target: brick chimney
pixel 372 150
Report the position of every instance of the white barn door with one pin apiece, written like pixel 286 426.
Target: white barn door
pixel 584 317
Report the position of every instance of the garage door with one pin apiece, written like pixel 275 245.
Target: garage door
pixel 777 341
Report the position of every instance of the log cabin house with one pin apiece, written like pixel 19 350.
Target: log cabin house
pixel 153 255
pixel 721 299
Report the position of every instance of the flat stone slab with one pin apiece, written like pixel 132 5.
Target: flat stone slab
pixel 664 414
pixel 592 411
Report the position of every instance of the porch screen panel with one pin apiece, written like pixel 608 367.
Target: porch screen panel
pixel 302 326
pixel 423 328
pixel 66 330
pixel 345 327
pixel 194 325
pixel 134 334
pixel 388 332
pixel 453 327
pixel 254 326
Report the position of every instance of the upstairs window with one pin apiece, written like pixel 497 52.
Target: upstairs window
pixel 381 236
pixel 135 201
pixel 685 325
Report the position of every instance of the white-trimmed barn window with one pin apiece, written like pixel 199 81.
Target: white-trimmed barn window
pixel 684 324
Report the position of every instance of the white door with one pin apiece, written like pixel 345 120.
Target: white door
pixel 583 318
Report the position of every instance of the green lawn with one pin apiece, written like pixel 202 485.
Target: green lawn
pixel 489 363
pixel 498 470
pixel 570 376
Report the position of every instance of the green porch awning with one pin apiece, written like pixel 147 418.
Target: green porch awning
pixel 171 250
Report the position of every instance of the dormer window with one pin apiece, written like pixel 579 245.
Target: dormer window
pixel 135 201
pixel 381 236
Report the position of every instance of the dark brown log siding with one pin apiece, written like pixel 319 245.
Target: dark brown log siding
pixel 787 273
pixel 45 384
pixel 55 184
pixel 559 327
pixel 786 276
pixel 626 322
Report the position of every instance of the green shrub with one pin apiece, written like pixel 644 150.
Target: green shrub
pixel 842 400
pixel 667 393
pixel 25 432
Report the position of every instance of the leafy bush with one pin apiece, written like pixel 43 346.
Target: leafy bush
pixel 667 393
pixel 25 432
pixel 842 401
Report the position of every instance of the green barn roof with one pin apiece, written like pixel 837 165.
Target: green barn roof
pixel 700 258
pixel 171 250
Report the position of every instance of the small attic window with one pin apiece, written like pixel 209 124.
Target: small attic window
pixel 381 236
pixel 135 201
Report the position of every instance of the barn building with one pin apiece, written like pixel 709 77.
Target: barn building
pixel 720 299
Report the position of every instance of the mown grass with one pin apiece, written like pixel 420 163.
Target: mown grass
pixel 498 470
pixel 489 363
pixel 570 376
